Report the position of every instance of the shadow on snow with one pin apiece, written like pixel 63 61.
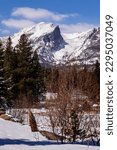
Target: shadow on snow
pixel 36 143
pixel 25 142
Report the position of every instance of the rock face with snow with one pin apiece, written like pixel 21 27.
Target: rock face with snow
pixel 55 48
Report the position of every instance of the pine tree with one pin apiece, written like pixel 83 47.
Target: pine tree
pixel 29 70
pixel 15 77
pixel 2 79
pixel 8 57
pixel 9 66
pixel 37 74
pixel 97 71
pixel 24 50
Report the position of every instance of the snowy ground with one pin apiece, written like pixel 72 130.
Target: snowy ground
pixel 14 136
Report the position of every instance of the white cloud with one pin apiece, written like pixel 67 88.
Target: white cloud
pixel 79 27
pixel 18 24
pixel 31 13
pixel 65 28
pixel 22 17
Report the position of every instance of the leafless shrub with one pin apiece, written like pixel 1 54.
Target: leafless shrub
pixel 18 114
pixel 94 131
pixel 75 93
pixel 60 110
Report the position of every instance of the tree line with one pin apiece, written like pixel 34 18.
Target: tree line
pixel 23 80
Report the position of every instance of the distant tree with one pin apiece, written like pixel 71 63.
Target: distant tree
pixel 97 71
pixel 37 75
pixel 51 76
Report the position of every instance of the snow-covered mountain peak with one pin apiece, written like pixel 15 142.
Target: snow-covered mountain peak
pixel 55 47
pixel 35 31
pixel 40 29
pixel 80 48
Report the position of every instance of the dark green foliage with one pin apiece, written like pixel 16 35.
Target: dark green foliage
pixel 97 71
pixel 15 76
pixel 38 86
pixel 30 81
pixel 2 79
pixel 9 63
pixel 21 75
pixel 24 50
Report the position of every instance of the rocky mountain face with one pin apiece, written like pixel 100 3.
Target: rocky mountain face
pixel 56 48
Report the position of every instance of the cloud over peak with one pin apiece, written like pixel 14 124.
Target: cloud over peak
pixel 23 17
pixel 78 27
pixel 18 23
pixel 32 13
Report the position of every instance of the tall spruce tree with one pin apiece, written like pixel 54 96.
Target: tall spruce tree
pixel 8 58
pixel 15 76
pixel 28 70
pixel 24 69
pixel 2 79
pixel 8 65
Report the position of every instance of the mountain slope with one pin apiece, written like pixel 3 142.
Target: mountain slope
pixel 55 48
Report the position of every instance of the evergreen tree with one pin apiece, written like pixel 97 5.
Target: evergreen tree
pixel 38 77
pixel 97 71
pixel 8 58
pixel 9 66
pixel 24 50
pixel 2 79
pixel 28 70
pixel 15 76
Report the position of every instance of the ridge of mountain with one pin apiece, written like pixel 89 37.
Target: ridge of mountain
pixel 56 48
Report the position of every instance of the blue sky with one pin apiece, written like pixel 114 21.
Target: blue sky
pixel 70 15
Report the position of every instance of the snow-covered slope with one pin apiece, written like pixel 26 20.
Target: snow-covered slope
pixel 55 47
pixel 80 48
pixel 14 136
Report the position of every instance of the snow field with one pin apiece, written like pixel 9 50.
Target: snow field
pixel 14 136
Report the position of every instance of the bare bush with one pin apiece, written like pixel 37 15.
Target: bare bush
pixel 75 97
pixel 18 114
